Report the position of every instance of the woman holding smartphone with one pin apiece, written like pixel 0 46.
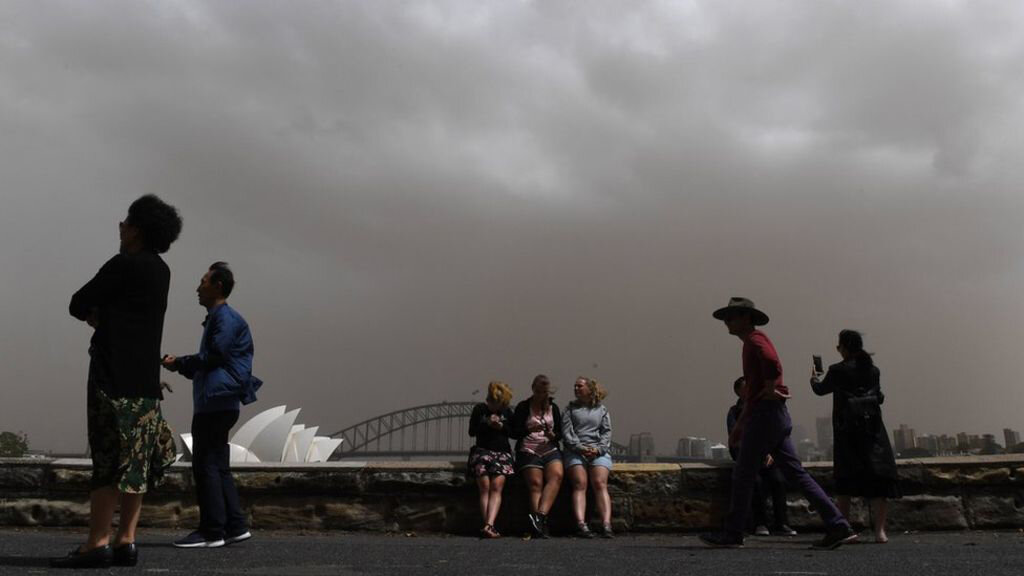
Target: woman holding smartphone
pixel 537 424
pixel 490 459
pixel 587 434
pixel 864 465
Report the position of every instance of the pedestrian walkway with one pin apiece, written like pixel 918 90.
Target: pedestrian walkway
pixel 280 553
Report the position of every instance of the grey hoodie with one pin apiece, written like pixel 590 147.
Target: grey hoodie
pixel 584 425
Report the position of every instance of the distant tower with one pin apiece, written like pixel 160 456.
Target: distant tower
pixel 903 438
pixel 641 447
pixel 693 447
pixel 824 429
pixel 1012 438
pixel 719 452
pixel 928 442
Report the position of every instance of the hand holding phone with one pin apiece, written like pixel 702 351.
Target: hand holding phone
pixel 818 369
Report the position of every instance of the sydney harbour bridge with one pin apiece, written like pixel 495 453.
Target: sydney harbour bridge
pixel 429 430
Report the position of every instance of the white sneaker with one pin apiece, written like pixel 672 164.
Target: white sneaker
pixel 238 537
pixel 761 530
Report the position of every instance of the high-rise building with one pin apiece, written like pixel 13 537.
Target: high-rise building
pixel 989 446
pixel 693 447
pixel 928 442
pixel 1012 438
pixel 641 447
pixel 719 452
pixel 975 442
pixel 947 445
pixel 963 442
pixel 903 438
pixel 823 426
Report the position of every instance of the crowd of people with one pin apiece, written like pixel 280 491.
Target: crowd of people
pixel 576 441
pixel 131 444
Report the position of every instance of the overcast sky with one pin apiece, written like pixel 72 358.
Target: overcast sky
pixel 420 197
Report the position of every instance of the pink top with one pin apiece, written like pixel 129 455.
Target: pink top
pixel 536 442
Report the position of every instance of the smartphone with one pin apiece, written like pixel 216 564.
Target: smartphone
pixel 817 364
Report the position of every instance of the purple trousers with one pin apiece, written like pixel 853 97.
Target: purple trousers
pixel 767 432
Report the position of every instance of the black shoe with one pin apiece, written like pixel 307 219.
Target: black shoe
pixel 722 539
pixel 783 530
pixel 126 554
pixel 197 540
pixel 100 557
pixel 606 532
pixel 539 525
pixel 535 523
pixel 583 531
pixel 835 538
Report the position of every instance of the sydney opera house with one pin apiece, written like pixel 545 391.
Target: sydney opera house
pixel 273 436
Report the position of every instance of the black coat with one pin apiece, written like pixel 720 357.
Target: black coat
pixel 129 294
pixel 861 442
pixel 487 437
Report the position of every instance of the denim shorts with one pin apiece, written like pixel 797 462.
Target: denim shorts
pixel 573 458
pixel 531 460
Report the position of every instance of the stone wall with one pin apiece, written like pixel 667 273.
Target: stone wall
pixel 939 494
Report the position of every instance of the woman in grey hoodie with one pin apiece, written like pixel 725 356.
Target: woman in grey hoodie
pixel 587 437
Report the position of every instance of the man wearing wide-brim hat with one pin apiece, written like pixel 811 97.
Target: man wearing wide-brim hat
pixel 763 429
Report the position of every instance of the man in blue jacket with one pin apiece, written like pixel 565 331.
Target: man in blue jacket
pixel 222 379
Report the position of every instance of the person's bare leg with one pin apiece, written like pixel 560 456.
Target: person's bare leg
pixel 578 481
pixel 843 503
pixel 483 485
pixel 552 485
pixel 599 483
pixel 102 502
pixel 494 502
pixel 534 478
pixel 131 507
pixel 879 513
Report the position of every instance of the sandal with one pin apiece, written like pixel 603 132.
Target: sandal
pixel 488 531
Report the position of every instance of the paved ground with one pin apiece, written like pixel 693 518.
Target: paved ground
pixel 278 553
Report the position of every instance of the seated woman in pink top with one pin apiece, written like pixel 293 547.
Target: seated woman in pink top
pixel 537 424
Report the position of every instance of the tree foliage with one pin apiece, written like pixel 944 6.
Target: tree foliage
pixel 13 445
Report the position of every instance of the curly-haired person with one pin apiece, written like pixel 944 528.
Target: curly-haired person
pixel 490 459
pixel 129 440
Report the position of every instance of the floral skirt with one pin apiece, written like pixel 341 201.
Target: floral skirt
pixel 484 462
pixel 130 443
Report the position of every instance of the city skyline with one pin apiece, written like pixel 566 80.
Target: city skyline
pixel 973 441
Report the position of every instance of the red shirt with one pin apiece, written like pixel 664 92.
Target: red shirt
pixel 762 371
pixel 761 368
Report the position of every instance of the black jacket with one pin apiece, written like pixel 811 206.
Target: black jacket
pixel 130 295
pixel 487 437
pixel 522 414
pixel 861 442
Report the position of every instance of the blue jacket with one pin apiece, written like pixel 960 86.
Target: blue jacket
pixel 221 372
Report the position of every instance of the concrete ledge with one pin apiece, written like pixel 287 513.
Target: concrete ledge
pixel 940 494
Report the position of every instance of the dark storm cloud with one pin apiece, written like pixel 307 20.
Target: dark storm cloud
pixel 420 197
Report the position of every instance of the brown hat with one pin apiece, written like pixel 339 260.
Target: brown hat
pixel 739 304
